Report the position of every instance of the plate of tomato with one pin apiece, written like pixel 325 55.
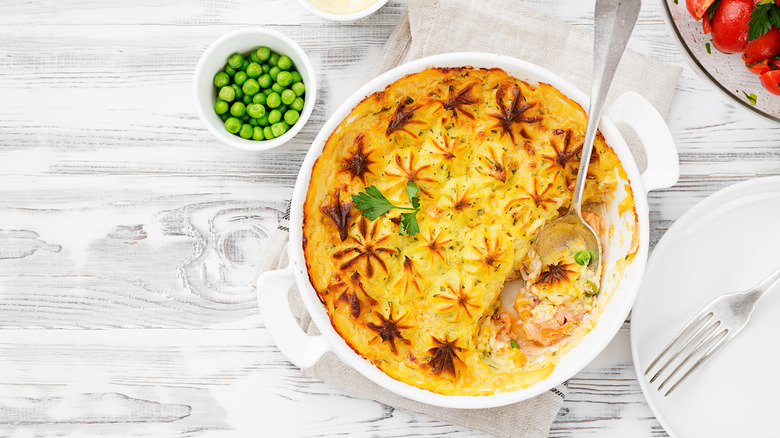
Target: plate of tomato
pixel 735 44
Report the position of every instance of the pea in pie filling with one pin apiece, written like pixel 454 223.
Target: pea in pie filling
pixel 495 159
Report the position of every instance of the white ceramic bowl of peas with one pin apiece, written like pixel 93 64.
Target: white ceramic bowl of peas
pixel 227 115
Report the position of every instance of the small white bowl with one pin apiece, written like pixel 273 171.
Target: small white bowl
pixel 342 17
pixel 244 41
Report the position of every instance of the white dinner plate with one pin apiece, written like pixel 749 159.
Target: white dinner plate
pixel 726 243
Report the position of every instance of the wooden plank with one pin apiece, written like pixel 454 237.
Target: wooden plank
pixel 234 383
pixel 118 211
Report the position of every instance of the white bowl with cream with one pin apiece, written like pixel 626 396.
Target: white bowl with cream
pixel 342 10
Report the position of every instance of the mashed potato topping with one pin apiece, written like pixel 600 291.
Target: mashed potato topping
pixel 495 159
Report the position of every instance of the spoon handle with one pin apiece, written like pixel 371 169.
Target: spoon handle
pixel 614 20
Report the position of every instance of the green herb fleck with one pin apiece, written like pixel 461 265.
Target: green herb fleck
pixel 513 344
pixel 750 98
pixel 375 204
pixel 709 50
pixel 711 10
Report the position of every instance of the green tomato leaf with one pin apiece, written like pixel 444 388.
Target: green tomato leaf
pixel 774 16
pixel 760 23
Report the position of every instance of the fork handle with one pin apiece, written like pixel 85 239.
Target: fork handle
pixel 764 286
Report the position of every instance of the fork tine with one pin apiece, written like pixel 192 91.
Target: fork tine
pixel 686 333
pixel 696 339
pixel 705 342
pixel 694 343
pixel 711 351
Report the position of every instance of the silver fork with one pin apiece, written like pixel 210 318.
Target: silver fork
pixel 710 330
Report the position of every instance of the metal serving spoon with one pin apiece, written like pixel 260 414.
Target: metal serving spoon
pixel 614 21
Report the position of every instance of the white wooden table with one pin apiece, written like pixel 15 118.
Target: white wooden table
pixel 129 237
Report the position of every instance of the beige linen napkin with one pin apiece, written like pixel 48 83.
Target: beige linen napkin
pixel 506 27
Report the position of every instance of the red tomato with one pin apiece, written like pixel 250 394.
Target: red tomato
pixel 763 47
pixel 758 68
pixel 771 81
pixel 730 25
pixel 697 8
pixel 774 63
pixel 705 24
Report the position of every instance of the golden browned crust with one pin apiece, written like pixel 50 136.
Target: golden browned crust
pixel 495 159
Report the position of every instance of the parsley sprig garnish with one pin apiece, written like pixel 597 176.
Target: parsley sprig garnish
pixel 764 16
pixel 374 204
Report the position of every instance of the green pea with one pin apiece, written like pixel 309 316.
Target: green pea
pixel 582 257
pixel 291 116
pixel 257 133
pixel 236 60
pixel 288 96
pixel 296 77
pixel 272 100
pixel 266 68
pixel 225 116
pixel 221 79
pixel 245 65
pixel 274 72
pixel 284 62
pixel 267 133
pixel 237 89
pixel 254 70
pixel 591 290
pixel 253 122
pixel 245 118
pixel 263 121
pixel 253 57
pixel 230 70
pixel 275 116
pixel 298 88
pixel 238 109
pixel 250 87
pixel 259 98
pixel 247 99
pixel 227 94
pixel 233 125
pixel 221 107
pixel 278 129
pixel 240 78
pixel 278 88
pixel 297 104
pixel 255 110
pixel 265 81
pixel 246 131
pixel 284 78
pixel 263 53
pixel 282 108
pixel 274 59
pixel 286 126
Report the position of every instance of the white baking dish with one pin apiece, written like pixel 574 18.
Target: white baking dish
pixel 662 171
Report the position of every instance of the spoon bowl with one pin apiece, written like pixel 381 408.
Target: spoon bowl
pixel 613 23
pixel 559 234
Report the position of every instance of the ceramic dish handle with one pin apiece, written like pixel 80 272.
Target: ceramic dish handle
pixel 663 164
pixel 273 289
